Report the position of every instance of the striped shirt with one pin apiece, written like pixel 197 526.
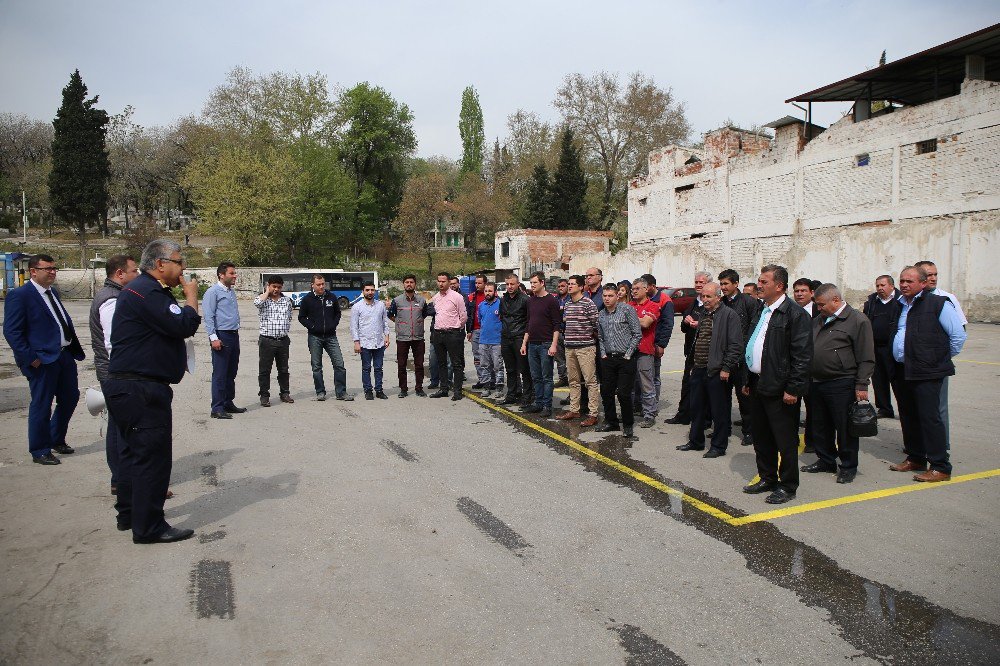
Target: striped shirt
pixel 275 315
pixel 703 339
pixel 580 323
pixel 619 330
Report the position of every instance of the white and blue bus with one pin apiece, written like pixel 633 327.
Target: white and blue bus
pixel 345 284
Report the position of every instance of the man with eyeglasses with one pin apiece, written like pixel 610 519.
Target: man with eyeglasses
pixel 222 323
pixel 147 356
pixel 46 349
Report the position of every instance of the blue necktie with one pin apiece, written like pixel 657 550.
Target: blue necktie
pixel 753 337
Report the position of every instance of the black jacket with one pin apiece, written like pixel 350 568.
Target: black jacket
pixel 696 310
pixel 926 347
pixel 745 306
pixel 320 314
pixel 514 315
pixel 788 350
pixel 884 318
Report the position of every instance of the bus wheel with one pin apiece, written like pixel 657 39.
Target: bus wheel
pixel 343 303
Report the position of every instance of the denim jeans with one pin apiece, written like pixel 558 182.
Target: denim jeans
pixel 329 344
pixel 370 358
pixel 541 373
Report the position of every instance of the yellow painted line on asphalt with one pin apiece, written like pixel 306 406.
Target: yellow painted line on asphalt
pixel 719 513
pixel 964 360
pixel 861 497
pixel 614 464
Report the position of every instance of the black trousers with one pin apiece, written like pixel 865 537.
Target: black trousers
pixel 273 351
pixel 142 410
pixel 450 344
pixel 710 396
pixel 617 380
pixel 684 406
pixel 516 366
pixel 829 402
pixel 744 404
pixel 885 366
pixel 924 438
pixel 775 433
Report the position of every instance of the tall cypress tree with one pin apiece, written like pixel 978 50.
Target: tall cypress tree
pixel 470 128
pixel 569 187
pixel 78 183
pixel 539 211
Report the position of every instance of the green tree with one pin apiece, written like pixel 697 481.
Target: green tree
pixel 422 206
pixel 25 162
pixel 539 211
pixel 569 186
pixel 78 182
pixel 376 139
pixel 618 126
pixel 470 128
pixel 324 206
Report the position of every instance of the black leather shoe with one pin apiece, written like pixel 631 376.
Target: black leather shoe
pixel 530 408
pixel 369 395
pixel 440 394
pixel 746 440
pixel 607 427
pixel 456 396
pixel 678 420
pixel 713 453
pixel 221 415
pixel 420 393
pixel 235 410
pixel 64 449
pixel 817 467
pixel 886 414
pixel 779 496
pixel 169 535
pixel 510 399
pixel 690 447
pixel 628 432
pixel 265 402
pixel 477 386
pixel 381 395
pixel 402 393
pixel 846 475
pixel 759 487
pixel 47 459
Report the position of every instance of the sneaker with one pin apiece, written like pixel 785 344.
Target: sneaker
pixel 321 396
pixel 402 393
pixel 369 395
pixel 647 423
pixel 486 394
pixel 420 392
pixel 265 402
pixel 530 408
pixel 347 397
pixel 381 395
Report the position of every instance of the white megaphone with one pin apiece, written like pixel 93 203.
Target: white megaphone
pixel 95 401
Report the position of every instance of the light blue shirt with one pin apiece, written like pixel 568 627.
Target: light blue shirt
pixel 219 310
pixel 950 322
pixel 369 324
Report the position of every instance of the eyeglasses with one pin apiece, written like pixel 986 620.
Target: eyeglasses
pixel 47 269
pixel 179 262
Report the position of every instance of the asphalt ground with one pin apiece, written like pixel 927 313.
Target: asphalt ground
pixel 429 531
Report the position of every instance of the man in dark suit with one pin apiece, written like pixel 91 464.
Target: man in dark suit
pixel 882 309
pixel 46 348
pixel 778 356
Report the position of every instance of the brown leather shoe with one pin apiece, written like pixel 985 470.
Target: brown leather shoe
pixel 567 416
pixel 932 476
pixel 908 466
pixel 287 398
pixel 589 421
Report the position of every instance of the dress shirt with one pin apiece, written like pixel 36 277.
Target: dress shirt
pixel 449 310
pixel 275 315
pixel 809 307
pixel 756 352
pixel 950 322
pixel 954 301
pixel 41 292
pixel 220 310
pixel 107 315
pixel 370 323
pixel 836 314
pixel 619 330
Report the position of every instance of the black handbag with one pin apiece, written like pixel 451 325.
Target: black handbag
pixel 862 421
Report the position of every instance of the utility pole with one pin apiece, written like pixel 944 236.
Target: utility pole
pixel 24 216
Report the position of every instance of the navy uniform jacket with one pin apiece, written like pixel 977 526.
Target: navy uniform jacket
pixel 148 331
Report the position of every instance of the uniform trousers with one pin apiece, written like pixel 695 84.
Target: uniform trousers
pixel 142 410
pixel 775 434
pixel 113 441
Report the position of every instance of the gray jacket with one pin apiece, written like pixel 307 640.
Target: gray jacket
pixel 726 348
pixel 110 290
pixel 843 347
pixel 409 317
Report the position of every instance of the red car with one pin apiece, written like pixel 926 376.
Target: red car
pixel 682 297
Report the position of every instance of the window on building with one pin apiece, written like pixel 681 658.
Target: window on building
pixel 684 188
pixel 928 146
pixel 861 160
pixel 505 249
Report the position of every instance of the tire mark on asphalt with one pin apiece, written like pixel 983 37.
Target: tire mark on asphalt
pixel 642 649
pixel 211 589
pixel 492 526
pixel 398 449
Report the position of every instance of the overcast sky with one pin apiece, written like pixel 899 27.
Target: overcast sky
pixel 737 60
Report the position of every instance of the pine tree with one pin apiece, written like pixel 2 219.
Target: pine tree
pixel 78 183
pixel 539 212
pixel 470 128
pixel 569 187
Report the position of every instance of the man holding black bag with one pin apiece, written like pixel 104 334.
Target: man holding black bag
pixel 842 364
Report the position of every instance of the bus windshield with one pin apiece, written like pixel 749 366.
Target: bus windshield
pixel 346 285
